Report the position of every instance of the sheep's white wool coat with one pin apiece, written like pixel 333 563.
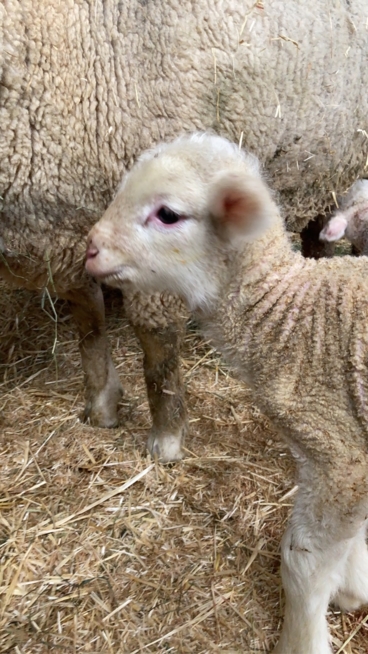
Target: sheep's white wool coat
pixel 85 87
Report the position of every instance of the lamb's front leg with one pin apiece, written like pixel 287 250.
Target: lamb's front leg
pixel 315 550
pixel 159 322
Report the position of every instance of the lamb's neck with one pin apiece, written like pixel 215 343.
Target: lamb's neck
pixel 250 273
pixel 259 282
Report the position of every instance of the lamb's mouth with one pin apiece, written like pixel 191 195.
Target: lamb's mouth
pixel 116 277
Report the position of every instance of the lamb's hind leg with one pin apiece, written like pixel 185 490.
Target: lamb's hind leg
pixel 353 590
pixel 159 321
pixel 102 385
pixel 315 551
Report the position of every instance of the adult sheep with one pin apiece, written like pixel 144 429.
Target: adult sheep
pixel 85 87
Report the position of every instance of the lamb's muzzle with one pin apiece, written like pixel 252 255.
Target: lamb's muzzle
pixel 295 329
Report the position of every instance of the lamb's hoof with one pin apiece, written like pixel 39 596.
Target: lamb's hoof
pixel 100 419
pixel 167 447
pixel 297 644
pixel 279 649
pixel 103 410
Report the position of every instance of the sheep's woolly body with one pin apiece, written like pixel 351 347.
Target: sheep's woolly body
pixel 86 87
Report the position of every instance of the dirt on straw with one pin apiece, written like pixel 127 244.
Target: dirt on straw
pixel 103 550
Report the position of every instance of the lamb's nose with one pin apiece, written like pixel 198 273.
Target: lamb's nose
pixel 92 250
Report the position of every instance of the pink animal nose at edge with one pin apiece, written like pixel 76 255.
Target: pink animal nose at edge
pixel 92 250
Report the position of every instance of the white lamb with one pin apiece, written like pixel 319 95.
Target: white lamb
pixel 195 217
pixel 351 220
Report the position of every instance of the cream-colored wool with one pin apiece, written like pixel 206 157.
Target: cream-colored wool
pixel 195 217
pixel 153 311
pixel 351 220
pixel 85 87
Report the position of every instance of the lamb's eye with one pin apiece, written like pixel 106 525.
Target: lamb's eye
pixel 167 216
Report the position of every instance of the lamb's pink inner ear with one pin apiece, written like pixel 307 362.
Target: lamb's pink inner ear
pixel 238 208
pixel 235 203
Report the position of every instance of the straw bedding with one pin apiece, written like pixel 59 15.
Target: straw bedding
pixel 104 550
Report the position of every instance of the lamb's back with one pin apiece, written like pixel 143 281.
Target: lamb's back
pixel 302 343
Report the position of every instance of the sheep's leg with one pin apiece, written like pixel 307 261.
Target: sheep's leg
pixel 315 552
pixel 311 246
pixel 158 321
pixel 353 590
pixel 165 392
pixel 355 252
pixel 102 385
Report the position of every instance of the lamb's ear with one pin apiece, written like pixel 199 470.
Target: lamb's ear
pixel 240 205
pixel 335 228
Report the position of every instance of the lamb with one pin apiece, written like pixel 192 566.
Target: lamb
pixel 195 217
pixel 351 220
pixel 83 92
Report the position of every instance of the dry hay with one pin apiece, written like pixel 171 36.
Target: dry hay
pixel 102 549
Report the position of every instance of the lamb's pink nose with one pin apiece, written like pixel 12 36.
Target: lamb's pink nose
pixel 92 250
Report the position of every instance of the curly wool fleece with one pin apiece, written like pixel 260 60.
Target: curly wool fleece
pixel 86 87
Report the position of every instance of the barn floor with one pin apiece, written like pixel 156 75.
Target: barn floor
pixel 103 550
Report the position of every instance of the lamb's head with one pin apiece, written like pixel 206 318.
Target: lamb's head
pixel 182 211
